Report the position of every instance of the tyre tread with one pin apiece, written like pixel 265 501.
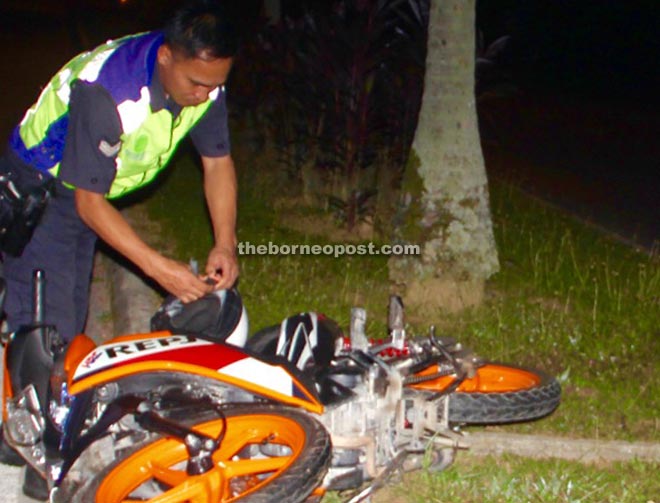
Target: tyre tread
pixel 506 407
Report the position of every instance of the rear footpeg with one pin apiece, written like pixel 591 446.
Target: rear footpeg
pixel 24 428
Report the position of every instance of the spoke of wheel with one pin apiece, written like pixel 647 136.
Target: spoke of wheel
pixel 205 488
pixel 189 490
pixel 243 467
pixel 167 475
pixel 239 439
pixel 213 482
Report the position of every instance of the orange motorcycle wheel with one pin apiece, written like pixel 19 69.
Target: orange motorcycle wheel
pixel 498 393
pixel 268 454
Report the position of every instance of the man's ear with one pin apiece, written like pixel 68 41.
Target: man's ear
pixel 164 54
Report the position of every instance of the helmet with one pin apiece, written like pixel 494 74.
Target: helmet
pixel 308 340
pixel 219 315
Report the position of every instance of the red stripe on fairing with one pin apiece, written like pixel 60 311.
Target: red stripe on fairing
pixel 214 356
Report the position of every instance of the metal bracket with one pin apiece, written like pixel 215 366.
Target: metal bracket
pixel 200 447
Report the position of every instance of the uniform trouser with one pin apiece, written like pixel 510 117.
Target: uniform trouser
pixel 63 247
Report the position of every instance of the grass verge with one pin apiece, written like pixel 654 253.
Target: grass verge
pixel 513 479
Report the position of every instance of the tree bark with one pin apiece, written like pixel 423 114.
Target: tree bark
pixel 445 203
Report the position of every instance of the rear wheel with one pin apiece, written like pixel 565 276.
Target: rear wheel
pixel 500 393
pixel 268 454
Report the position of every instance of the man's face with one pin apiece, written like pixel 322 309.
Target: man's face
pixel 188 81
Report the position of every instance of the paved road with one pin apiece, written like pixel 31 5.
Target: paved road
pixel 596 158
pixel 11 479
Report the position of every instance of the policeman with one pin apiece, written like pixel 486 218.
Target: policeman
pixel 105 125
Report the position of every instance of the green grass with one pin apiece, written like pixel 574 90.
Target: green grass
pixel 272 287
pixel 580 305
pixel 568 300
pixel 513 479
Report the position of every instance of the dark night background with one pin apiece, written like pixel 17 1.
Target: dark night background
pixel 593 48
pixel 569 108
pixel 582 124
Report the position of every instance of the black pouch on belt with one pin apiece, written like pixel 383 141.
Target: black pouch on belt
pixel 22 204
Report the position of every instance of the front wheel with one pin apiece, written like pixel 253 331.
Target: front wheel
pixel 500 393
pixel 268 454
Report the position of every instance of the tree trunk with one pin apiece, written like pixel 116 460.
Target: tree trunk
pixel 445 205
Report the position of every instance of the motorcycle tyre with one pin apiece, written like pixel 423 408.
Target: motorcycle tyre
pixel 506 407
pixel 293 485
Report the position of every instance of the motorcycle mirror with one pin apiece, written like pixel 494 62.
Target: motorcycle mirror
pixel 395 322
pixel 395 313
pixel 358 322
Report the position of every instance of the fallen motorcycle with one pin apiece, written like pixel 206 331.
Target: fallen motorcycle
pixel 197 412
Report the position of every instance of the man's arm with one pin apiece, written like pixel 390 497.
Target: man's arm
pixel 220 191
pixel 110 225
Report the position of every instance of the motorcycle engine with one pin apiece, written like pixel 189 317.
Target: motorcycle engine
pixel 363 424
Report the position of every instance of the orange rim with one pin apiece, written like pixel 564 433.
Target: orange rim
pixel 157 472
pixel 491 378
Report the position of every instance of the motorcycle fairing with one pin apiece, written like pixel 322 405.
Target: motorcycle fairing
pixel 189 354
pixel 7 392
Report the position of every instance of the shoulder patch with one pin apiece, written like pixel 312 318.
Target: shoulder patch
pixel 109 150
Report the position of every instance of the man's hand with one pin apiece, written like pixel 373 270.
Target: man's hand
pixel 222 266
pixel 179 280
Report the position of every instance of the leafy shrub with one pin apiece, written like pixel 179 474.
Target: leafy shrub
pixel 339 92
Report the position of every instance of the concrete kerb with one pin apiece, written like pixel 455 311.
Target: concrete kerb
pixel 134 302
pixel 571 449
pixel 118 293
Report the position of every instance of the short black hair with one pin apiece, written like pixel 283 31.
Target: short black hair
pixel 203 28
